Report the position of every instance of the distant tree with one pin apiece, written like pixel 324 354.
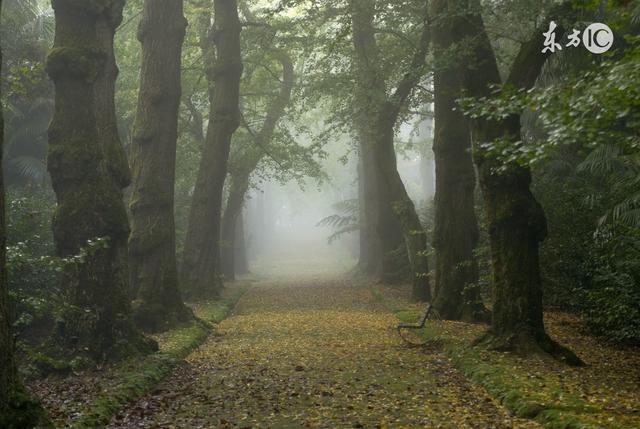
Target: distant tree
pixel 152 245
pixel 200 269
pixel 89 198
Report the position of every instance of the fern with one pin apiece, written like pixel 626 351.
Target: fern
pixel 347 219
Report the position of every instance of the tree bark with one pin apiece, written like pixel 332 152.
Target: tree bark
pixel 517 222
pixel 17 410
pixel 200 265
pixel 370 254
pixel 455 233
pixel 152 244
pixel 115 157
pixel 381 112
pixel 89 202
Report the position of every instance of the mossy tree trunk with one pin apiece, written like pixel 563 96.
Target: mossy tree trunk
pixel 200 265
pixel 241 172
pixel 455 233
pixel 17 410
pixel 152 244
pixel 381 112
pixel 115 158
pixel 89 201
pixel 516 221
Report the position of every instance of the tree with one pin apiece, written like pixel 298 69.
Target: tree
pixel 381 112
pixel 249 161
pixel 455 233
pixel 89 200
pixel 17 410
pixel 152 244
pixel 200 265
pixel 516 220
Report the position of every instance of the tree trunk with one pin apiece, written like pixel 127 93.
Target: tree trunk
pixel 427 166
pixel 89 202
pixel 379 113
pixel 115 157
pixel 516 220
pixel 249 162
pixel 415 236
pixel 237 191
pixel 17 410
pixel 382 252
pixel 200 265
pixel 240 260
pixel 380 227
pixel 152 244
pixel 455 233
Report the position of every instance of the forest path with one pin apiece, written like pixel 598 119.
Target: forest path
pixel 314 352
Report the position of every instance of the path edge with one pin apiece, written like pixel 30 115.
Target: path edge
pixel 140 378
pixel 482 373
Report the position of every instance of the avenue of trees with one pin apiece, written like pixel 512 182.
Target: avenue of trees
pixel 134 133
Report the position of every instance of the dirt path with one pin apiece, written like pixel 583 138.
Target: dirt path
pixel 314 353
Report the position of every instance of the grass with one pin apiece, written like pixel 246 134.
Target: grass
pixel 136 377
pixel 519 384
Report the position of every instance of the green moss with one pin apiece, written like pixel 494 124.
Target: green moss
pixel 84 63
pixel 135 377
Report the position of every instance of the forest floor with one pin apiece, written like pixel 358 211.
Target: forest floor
pixel 305 347
pixel 314 352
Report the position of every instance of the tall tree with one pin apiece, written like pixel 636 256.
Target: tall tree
pixel 152 244
pixel 201 259
pixel 455 234
pixel 380 230
pixel 381 111
pixel 516 220
pixel 17 410
pixel 250 159
pixel 89 201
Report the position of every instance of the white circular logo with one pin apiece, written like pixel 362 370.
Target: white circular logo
pixel 597 38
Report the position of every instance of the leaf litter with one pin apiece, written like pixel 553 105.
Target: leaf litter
pixel 314 353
